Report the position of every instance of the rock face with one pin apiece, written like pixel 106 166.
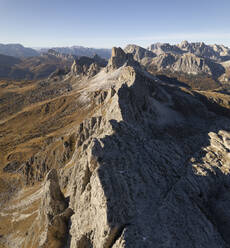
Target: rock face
pixel 80 51
pixel 140 54
pixel 59 55
pixel 187 63
pixel 85 66
pixel 215 52
pixel 53 218
pixel 160 48
pixel 218 53
pixel 120 58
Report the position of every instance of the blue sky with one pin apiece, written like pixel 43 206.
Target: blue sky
pixel 101 23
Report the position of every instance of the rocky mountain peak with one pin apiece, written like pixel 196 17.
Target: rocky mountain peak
pixel 86 66
pixel 118 52
pixel 53 217
pixel 53 202
pixel 120 58
pixel 140 54
pixel 184 43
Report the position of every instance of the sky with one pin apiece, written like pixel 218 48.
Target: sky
pixel 108 23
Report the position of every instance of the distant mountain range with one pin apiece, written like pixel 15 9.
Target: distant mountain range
pixel 82 51
pixel 218 53
pixel 189 62
pixel 46 64
pixel 36 67
pixel 192 63
pixel 17 50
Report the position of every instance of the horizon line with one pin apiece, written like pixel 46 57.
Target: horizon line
pixel 35 47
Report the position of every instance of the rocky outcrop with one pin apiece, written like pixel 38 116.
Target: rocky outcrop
pixel 53 218
pixel 85 66
pixel 59 55
pixel 54 213
pixel 161 48
pixel 225 78
pixel 140 54
pixel 120 58
pixel 80 51
pixel 189 63
pixel 163 61
pixel 186 63
pixel 216 52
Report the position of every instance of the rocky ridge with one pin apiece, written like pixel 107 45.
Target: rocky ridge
pixel 148 166
pixel 188 59
pixel 215 52
pixel 80 51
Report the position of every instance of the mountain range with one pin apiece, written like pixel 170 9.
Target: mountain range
pixel 117 153
pixel 17 50
pixel 187 62
pixel 197 64
pixel 82 51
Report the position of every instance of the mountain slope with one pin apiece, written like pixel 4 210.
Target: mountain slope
pixel 6 63
pixel 39 67
pixel 17 50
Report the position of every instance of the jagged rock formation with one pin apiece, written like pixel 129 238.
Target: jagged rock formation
pixel 225 78
pixel 187 63
pixel 140 54
pixel 120 58
pixel 80 51
pixel 215 52
pixel 196 59
pixel 53 217
pixel 149 165
pixel 85 66
pixel 59 55
pixel 161 48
